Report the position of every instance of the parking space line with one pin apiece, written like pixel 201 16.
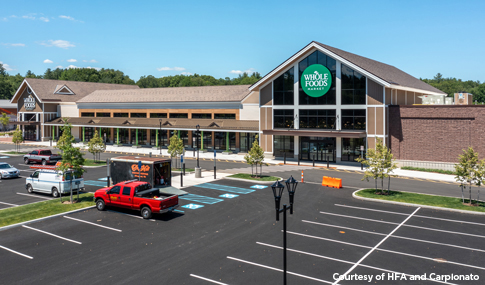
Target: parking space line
pixel 207 279
pixel 345 261
pixel 14 205
pixel 129 215
pixel 113 229
pixel 394 236
pixel 200 199
pixel 36 196
pixel 47 233
pixel 280 270
pixel 376 246
pixel 385 250
pixel 420 216
pixel 16 252
pixel 411 226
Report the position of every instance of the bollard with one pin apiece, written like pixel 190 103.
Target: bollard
pixel 214 172
pixel 302 177
pixel 150 154
pixel 181 180
pixel 361 166
pixel 299 159
pixel 327 162
pixel 285 158
pixel 313 160
pixel 183 165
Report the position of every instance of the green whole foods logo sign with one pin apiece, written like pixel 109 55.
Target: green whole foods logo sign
pixel 316 80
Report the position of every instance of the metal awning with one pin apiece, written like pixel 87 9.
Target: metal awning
pixel 317 133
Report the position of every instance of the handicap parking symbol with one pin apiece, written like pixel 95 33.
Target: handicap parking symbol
pixel 259 186
pixel 230 196
pixel 192 206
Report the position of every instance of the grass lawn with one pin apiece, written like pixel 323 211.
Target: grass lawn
pixel 186 169
pixel 30 212
pixel 13 152
pixel 249 177
pixel 422 199
pixel 428 170
pixel 90 162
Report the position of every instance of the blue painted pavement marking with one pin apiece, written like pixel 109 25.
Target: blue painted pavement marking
pixel 259 186
pixel 103 179
pixel 178 211
pixel 200 199
pixel 95 183
pixel 225 188
pixel 192 206
pixel 230 196
pixel 4 156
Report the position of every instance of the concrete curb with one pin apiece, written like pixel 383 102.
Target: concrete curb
pixel 249 180
pixel 415 205
pixel 44 218
pixel 94 166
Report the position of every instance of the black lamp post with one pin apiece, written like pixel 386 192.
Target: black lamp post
pixel 160 139
pixel 278 190
pixel 198 132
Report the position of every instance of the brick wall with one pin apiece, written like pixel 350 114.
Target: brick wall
pixel 436 133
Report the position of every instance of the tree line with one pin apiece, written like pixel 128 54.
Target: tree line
pixel 10 83
pixel 452 85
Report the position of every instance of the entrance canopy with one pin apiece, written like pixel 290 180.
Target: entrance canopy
pixel 319 133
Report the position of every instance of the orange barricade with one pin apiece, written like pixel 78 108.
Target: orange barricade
pixel 332 182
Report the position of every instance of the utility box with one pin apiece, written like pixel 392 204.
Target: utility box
pixel 463 99
pixel 432 99
pixel 448 100
pixel 156 171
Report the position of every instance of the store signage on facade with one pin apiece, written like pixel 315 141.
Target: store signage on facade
pixel 316 80
pixel 29 103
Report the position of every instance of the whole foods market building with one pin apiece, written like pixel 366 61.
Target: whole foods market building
pixel 322 103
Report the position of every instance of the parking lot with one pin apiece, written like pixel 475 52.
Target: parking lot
pixel 225 233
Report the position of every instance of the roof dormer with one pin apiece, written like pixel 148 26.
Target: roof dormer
pixel 63 90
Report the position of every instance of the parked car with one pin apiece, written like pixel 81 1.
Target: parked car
pixel 8 171
pixel 42 156
pixel 53 182
pixel 136 195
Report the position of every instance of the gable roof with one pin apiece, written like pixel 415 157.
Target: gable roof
pixel 45 89
pixel 385 74
pixel 225 93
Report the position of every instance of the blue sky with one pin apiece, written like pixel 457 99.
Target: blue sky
pixel 222 38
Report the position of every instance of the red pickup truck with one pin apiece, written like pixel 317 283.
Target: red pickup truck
pixel 136 195
pixel 43 156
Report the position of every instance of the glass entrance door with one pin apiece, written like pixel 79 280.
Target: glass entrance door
pixel 317 148
pixel 30 133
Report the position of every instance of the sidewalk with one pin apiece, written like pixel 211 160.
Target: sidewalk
pixel 238 157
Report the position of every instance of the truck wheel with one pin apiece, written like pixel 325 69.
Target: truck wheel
pixel 30 189
pixel 44 162
pixel 26 160
pixel 100 205
pixel 146 213
pixel 55 192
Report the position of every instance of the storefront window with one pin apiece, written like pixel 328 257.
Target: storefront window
pixel 317 119
pixel 105 134
pixel 120 115
pixel 351 148
pixel 220 140
pixel 184 136
pixel 124 136
pixel 353 119
pixel 142 136
pixel 282 145
pixel 138 115
pixel 225 116
pixel 87 114
pixel 207 140
pixel 105 115
pixel 201 116
pixel 88 133
pixel 179 115
pixel 353 86
pixel 283 119
pixel 318 58
pixel 246 141
pixel 158 115
pixel 283 88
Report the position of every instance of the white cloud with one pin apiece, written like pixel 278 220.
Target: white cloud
pixel 171 68
pixel 6 66
pixel 72 60
pixel 44 19
pixel 59 66
pixel 48 61
pixel 69 18
pixel 92 60
pixel 58 43
pixel 248 71
pixel 72 66
pixel 14 45
pixel 30 17
pixel 97 68
pixel 186 73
